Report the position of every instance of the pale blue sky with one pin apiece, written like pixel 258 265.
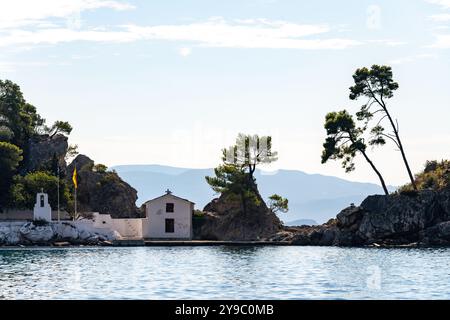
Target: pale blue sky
pixel 172 82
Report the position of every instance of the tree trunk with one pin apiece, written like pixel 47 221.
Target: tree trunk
pixel 402 151
pixel 383 184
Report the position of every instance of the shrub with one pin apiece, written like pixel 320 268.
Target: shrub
pixel 435 176
pixel 23 190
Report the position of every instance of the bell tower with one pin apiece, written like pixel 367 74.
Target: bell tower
pixel 42 209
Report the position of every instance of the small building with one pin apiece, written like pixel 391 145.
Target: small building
pixel 42 209
pixel 168 217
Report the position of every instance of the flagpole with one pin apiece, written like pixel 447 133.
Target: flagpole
pixel 75 204
pixel 59 217
pixel 75 184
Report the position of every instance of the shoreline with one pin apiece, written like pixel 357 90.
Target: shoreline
pixel 207 243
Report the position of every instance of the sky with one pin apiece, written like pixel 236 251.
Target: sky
pixel 173 82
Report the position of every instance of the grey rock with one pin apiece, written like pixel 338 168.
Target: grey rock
pixel 349 216
pixel 42 148
pixel 37 234
pixel 226 219
pixel 103 192
pixel 65 231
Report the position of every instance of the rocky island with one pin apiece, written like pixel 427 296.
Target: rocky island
pixel 35 157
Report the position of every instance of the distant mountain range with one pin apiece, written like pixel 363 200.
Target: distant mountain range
pixel 311 196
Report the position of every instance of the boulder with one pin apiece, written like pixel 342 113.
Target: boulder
pixel 437 235
pixel 400 216
pixel 9 235
pixel 349 217
pixel 226 219
pixel 65 231
pixel 37 234
pixel 103 192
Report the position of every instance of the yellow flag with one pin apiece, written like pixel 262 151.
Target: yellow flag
pixel 74 178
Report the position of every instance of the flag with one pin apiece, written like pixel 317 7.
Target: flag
pixel 74 178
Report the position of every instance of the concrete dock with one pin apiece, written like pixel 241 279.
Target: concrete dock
pixel 193 243
pixel 155 243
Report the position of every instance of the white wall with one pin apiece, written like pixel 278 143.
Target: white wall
pixel 24 215
pixel 128 228
pixel 155 224
pixel 42 211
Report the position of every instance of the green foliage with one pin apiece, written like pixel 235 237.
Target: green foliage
pixel 235 176
pixel 343 139
pixel 62 127
pixel 198 214
pixel 19 122
pixel 72 152
pixel 229 178
pixel 376 82
pixel 100 168
pixel 278 204
pixel 5 133
pixel 18 116
pixel 24 188
pixel 110 178
pixel 435 176
pixel 377 85
pixel 250 151
pixel 10 157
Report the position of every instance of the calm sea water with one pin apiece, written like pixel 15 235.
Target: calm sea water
pixel 224 273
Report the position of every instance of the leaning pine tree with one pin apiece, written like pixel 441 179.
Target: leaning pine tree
pixel 344 141
pixel 378 85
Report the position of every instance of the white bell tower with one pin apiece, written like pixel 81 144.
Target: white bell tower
pixel 42 209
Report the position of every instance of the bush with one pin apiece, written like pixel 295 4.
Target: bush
pixel 199 214
pixel 23 190
pixel 100 168
pixel 435 176
pixel 40 222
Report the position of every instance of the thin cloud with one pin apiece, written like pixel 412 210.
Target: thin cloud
pixel 216 32
pixel 413 58
pixel 22 13
pixel 442 42
pixel 440 17
pixel 443 3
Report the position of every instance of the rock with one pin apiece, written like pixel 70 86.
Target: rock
pixel 42 149
pixel 349 216
pixel 437 235
pixel 84 234
pixel 9 235
pixel 285 236
pixel 226 219
pixel 399 216
pixel 65 231
pixel 315 236
pixel 103 192
pixel 82 162
pixel 37 234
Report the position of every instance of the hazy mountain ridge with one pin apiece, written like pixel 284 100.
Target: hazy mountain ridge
pixel 311 196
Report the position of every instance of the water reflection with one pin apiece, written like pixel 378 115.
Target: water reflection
pixel 224 273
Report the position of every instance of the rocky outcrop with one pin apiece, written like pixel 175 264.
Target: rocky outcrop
pixel 36 233
pixel 421 218
pixel 39 233
pixel 103 192
pixel 226 219
pixel 43 149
